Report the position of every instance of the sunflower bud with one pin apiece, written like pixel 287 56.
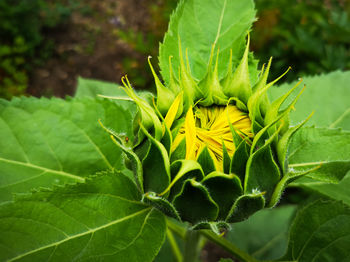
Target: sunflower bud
pixel 214 151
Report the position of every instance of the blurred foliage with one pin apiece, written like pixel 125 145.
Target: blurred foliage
pixel 311 36
pixel 146 41
pixel 22 44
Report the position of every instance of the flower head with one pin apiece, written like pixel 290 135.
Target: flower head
pixel 211 152
pixel 210 129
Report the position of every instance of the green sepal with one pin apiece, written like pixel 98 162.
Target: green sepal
pixel 187 83
pixel 237 139
pixel 180 152
pixel 238 85
pixel 173 83
pixel 167 136
pixel 136 165
pixel 273 111
pixel 182 170
pixel 217 227
pixel 194 203
pixel 240 105
pixel 165 96
pixel 156 166
pixel 206 162
pixel 245 206
pixel 212 91
pixel 286 179
pixel 239 160
pixel 283 143
pixel 262 171
pixel 258 102
pixel 224 189
pixel 261 137
pixel 141 150
pixel 328 172
pixel 264 73
pixel 160 203
pixel 147 116
pixel 226 159
pixel 155 175
pixel 167 140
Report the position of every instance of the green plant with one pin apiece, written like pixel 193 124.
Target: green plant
pixel 144 41
pixel 311 36
pixel 22 44
pixel 117 195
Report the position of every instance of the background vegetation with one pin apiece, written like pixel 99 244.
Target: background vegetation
pixel 46 45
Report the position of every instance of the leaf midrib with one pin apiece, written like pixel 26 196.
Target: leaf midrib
pixel 62 173
pixel 90 231
pixel 220 22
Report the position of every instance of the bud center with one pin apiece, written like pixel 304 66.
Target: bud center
pixel 211 129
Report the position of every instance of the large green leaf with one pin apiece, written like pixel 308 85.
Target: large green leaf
pixel 100 220
pixel 45 142
pixel 320 232
pixel 92 88
pixel 328 95
pixel 261 239
pixel 338 191
pixel 96 88
pixel 199 24
pixel 325 150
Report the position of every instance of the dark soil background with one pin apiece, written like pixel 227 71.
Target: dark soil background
pixel 105 39
pixel 94 45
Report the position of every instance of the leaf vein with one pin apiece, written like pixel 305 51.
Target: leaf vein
pixel 62 173
pixel 80 234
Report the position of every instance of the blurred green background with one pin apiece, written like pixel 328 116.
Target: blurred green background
pixel 46 45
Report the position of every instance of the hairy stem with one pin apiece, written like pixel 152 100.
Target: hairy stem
pixel 218 240
pixel 192 246
pixel 178 230
pixel 228 246
pixel 174 246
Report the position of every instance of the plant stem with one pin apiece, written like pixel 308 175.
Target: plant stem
pixel 192 247
pixel 178 230
pixel 228 246
pixel 219 240
pixel 174 246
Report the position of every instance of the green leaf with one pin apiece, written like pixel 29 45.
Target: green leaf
pixel 160 203
pixel 217 227
pixel 320 232
pixel 265 234
pixel 101 219
pixel 239 160
pixel 92 88
pixel 182 170
pixel 327 95
pixel 224 189
pixel 325 150
pixel 156 177
pixel 262 172
pixel 45 142
pixel 338 191
pixel 245 206
pixel 199 24
pixel 194 203
pixel 206 161
pixel 166 253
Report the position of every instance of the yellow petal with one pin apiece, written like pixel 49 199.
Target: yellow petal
pixel 190 133
pixel 174 108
